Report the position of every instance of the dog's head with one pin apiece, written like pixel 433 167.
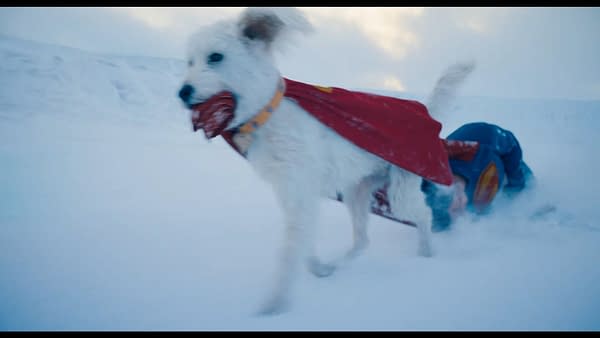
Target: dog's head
pixel 231 72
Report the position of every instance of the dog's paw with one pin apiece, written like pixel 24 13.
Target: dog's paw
pixel 356 250
pixel 320 269
pixel 273 307
pixel 425 250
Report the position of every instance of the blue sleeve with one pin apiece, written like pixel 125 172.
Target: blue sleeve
pixel 509 149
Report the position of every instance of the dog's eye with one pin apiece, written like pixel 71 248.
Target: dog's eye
pixel 190 63
pixel 215 58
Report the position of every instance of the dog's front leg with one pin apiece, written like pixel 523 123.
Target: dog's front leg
pixel 300 207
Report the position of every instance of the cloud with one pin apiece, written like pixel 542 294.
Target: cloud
pixel 384 26
pixel 178 19
pixel 484 21
pixel 520 52
pixel 392 82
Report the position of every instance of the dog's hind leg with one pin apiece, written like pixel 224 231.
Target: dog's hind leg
pixel 357 202
pixel 357 199
pixel 408 202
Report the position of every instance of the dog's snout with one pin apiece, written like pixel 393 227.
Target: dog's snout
pixel 185 93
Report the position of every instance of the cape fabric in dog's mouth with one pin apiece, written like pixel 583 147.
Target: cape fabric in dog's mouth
pixel 214 114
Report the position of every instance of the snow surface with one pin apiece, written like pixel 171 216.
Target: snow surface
pixel 115 216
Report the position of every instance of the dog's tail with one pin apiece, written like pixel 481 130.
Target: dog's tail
pixel 446 87
pixel 404 192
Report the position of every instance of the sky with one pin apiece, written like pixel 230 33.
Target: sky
pixel 538 52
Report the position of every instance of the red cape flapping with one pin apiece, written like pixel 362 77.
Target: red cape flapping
pixel 400 131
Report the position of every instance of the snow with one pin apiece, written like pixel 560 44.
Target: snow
pixel 115 216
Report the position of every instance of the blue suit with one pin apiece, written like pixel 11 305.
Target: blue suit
pixel 496 162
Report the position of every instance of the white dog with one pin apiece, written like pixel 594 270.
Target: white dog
pixel 299 156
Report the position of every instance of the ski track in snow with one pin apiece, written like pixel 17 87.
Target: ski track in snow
pixel 115 216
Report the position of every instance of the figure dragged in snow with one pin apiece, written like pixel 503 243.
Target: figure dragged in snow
pixel 484 158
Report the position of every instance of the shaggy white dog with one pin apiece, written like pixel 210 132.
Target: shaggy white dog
pixel 300 157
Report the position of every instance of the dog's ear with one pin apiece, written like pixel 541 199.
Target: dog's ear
pixel 260 25
pixel 270 25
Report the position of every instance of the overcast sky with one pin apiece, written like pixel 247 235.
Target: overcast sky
pixel 520 52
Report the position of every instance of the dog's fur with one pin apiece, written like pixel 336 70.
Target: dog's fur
pixel 301 158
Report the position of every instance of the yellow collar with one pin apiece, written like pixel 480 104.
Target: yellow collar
pixel 262 117
pixel 242 135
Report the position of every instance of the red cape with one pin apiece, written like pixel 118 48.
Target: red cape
pixel 399 131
